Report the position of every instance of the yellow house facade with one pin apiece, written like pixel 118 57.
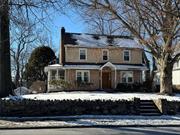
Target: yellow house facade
pixel 90 61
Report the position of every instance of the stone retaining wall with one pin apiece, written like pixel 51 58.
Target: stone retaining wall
pixel 66 107
pixel 168 107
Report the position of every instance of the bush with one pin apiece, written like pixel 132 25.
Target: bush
pixel 38 87
pixel 60 84
pixel 135 87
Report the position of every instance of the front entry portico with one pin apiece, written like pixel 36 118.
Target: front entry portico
pixel 106 79
pixel 108 76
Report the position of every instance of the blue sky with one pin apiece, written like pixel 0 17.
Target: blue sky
pixel 71 23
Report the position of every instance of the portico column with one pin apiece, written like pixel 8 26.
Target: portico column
pixel 57 74
pixel 101 78
pixel 115 79
pixel 49 78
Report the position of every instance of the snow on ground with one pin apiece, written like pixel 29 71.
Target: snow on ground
pixel 95 96
pixel 91 120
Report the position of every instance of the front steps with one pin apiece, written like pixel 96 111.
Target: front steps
pixel 148 108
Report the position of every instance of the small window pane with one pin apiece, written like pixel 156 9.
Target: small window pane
pixel 86 79
pixel 53 74
pixel 61 74
pixel 79 76
pixel 129 79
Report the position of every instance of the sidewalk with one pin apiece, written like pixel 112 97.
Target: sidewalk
pixel 87 121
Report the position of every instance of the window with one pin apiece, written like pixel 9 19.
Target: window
pixel 82 76
pixel 82 54
pixel 127 77
pixel 53 74
pixel 79 76
pixel 61 74
pixel 126 55
pixel 105 54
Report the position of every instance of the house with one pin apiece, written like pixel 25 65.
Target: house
pixel 91 61
pixel 176 75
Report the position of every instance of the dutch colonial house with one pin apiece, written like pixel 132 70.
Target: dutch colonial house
pixel 91 61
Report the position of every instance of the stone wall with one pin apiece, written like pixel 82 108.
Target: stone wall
pixel 66 107
pixel 168 107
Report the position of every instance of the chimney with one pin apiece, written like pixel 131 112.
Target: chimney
pixel 62 54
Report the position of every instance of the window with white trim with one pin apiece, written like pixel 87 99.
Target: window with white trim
pixel 82 76
pixel 105 54
pixel 82 54
pixel 53 74
pixel 57 74
pixel 126 55
pixel 61 74
pixel 127 77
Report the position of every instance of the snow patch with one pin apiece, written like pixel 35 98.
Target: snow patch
pixel 86 40
pixel 98 96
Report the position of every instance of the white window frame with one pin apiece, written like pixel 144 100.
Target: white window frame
pixel 129 55
pixel 82 74
pixel 107 54
pixel 122 72
pixel 85 54
pixel 56 77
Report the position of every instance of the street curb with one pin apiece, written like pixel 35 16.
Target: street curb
pixel 84 126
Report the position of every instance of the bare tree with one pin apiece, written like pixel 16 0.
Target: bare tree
pixel 17 11
pixel 99 22
pixel 22 41
pixel 156 25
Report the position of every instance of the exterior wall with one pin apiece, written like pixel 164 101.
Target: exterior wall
pixel 94 80
pixel 137 76
pixel 94 55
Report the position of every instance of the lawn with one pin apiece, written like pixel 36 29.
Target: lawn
pixel 96 96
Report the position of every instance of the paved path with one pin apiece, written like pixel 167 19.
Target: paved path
pixel 97 131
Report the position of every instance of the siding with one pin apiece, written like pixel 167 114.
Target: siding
pixel 94 55
pixel 94 79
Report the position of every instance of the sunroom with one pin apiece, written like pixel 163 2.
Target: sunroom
pixel 54 72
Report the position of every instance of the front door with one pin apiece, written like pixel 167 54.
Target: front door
pixel 106 80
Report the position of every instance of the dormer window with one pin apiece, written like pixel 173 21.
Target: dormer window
pixel 126 55
pixel 82 54
pixel 105 55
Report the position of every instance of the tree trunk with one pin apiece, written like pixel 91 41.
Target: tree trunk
pixel 17 76
pixel 166 78
pixel 5 70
